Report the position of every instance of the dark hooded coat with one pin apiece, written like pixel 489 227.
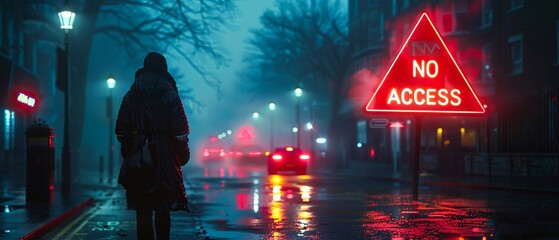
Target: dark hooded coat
pixel 166 123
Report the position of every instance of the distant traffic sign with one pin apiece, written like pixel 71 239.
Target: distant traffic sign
pixel 424 78
pixel 378 123
pixel 245 134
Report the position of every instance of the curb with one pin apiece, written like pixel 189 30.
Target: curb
pixel 51 224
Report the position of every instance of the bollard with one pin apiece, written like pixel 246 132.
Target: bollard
pixel 101 169
pixel 40 164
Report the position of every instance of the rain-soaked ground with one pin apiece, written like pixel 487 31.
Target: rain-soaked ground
pixel 244 202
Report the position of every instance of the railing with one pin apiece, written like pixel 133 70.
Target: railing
pixel 512 165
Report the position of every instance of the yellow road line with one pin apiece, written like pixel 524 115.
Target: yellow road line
pixel 77 220
pixel 76 230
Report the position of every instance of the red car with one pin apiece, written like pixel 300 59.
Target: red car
pixel 288 159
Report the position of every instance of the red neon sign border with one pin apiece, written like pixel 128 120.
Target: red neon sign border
pixel 424 14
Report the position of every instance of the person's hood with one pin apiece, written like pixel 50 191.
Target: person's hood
pixel 152 82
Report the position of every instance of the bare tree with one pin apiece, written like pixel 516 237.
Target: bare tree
pixel 306 40
pixel 182 27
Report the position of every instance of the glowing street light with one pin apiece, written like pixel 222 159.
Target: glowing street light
pixel 309 126
pixel 111 82
pixel 66 18
pixel 298 92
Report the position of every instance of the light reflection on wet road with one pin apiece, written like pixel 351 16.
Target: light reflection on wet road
pixel 247 203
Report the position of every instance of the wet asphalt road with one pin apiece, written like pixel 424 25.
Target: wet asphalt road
pixel 244 202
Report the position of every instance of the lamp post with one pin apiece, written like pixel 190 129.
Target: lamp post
pixel 111 82
pixel 272 107
pixel 298 93
pixel 312 128
pixel 66 18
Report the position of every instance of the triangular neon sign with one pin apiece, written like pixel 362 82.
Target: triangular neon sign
pixel 245 135
pixel 424 78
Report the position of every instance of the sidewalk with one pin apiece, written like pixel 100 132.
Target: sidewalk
pixel 383 172
pixel 18 221
pixel 92 202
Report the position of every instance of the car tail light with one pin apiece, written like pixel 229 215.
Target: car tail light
pixel 304 157
pixel 277 157
pixel 222 153
pixel 206 153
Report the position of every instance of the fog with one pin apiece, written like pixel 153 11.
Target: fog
pixel 230 108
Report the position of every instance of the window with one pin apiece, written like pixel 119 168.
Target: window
pixel 486 13
pixel 361 132
pixel 468 137
pixel 375 29
pixel 394 7
pixel 454 16
pixel 557 41
pixel 516 55
pixel 486 63
pixel 9 129
pixel 516 4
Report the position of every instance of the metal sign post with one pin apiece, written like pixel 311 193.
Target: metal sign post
pixel 416 156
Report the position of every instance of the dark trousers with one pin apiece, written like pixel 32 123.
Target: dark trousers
pixel 144 225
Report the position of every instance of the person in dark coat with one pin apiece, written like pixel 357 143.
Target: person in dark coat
pixel 164 122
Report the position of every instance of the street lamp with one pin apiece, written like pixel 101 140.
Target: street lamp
pixel 298 93
pixel 111 82
pixel 272 107
pixel 309 126
pixel 66 18
pixel 255 115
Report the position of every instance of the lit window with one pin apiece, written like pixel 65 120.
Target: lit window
pixel 516 4
pixel 486 13
pixel 361 131
pixel 486 63
pixel 516 56
pixel 9 122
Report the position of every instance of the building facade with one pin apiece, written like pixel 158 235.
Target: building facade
pixel 508 51
pixel 29 34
